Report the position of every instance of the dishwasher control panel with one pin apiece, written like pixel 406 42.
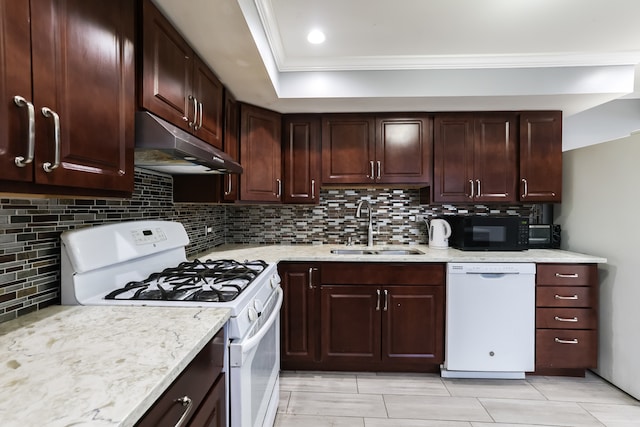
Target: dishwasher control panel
pixel 491 267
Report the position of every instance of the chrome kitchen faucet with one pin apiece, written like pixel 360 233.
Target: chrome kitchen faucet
pixel 370 228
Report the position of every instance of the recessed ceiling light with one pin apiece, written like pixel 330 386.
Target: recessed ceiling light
pixel 316 37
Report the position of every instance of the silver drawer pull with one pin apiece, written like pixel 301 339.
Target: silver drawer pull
pixel 184 401
pixel 564 319
pixel 573 341
pixel 378 301
pixel 573 297
pixel 567 276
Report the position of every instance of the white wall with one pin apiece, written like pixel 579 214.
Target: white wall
pixel 612 120
pixel 599 214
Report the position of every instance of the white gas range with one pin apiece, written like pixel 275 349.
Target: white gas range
pixel 144 263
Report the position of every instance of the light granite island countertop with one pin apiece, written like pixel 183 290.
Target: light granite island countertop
pixel 96 366
pixel 312 253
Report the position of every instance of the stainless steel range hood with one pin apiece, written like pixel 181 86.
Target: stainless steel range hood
pixel 163 147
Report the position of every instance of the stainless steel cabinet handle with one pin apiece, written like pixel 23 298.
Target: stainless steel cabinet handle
pixel 184 401
pixel 372 176
pixel 228 178
pixel 386 300
pixel 525 186
pixel 573 341
pixel 192 124
pixel 567 276
pixel 472 189
pixel 200 116
pixel 479 191
pixel 313 189
pixel 379 168
pixel 31 132
pixel 310 277
pixel 574 297
pixel 564 319
pixel 279 181
pixel 47 112
pixel 378 300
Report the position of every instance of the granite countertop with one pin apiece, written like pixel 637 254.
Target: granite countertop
pixel 96 366
pixel 277 253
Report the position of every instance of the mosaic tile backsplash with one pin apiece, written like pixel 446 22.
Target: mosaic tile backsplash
pixel 30 228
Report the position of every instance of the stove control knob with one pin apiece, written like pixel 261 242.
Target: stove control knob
pixel 253 314
pixel 257 304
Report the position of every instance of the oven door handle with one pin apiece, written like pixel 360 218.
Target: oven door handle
pixel 238 350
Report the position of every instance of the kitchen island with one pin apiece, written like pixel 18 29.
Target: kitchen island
pixel 97 366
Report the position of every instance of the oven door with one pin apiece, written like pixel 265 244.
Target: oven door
pixel 255 368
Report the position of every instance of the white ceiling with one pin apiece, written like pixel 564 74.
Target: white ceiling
pixel 417 55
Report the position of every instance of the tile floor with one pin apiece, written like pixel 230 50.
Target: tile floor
pixel 336 399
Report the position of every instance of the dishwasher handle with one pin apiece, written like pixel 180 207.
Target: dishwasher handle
pixel 489 275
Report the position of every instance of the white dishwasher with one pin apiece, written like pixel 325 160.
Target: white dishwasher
pixel 490 320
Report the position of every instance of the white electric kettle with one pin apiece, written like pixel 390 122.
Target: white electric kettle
pixel 439 232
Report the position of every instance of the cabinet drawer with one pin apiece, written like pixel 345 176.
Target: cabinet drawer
pixel 566 274
pixel 565 296
pixel 566 348
pixel 194 382
pixel 566 318
pixel 374 273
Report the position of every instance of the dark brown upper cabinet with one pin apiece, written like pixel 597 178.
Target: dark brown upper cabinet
pixel 260 154
pixel 301 158
pixel 541 156
pixel 364 149
pixel 475 157
pixel 68 87
pixel 176 84
pixel 231 145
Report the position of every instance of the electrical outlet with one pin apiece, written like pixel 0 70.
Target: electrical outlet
pixel 208 229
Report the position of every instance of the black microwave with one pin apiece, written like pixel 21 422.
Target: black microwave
pixel 489 233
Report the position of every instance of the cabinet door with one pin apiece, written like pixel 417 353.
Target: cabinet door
pixel 348 149
pixel 495 158
pixel 403 150
pixel 299 329
pixel 350 320
pixel 301 145
pixel 453 158
pixel 541 156
pixel 208 92
pixel 231 145
pixel 212 412
pixel 167 66
pixel 260 154
pixel 413 325
pixel 83 69
pixel 15 80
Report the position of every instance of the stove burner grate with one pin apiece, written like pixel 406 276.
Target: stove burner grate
pixel 210 281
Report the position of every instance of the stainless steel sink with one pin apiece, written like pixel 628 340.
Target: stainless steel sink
pixel 376 252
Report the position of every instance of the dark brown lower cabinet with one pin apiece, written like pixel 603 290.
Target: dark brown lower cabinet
pixel 299 326
pixel 566 318
pixel 388 328
pixel 212 411
pixel 203 383
pixel 382 316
